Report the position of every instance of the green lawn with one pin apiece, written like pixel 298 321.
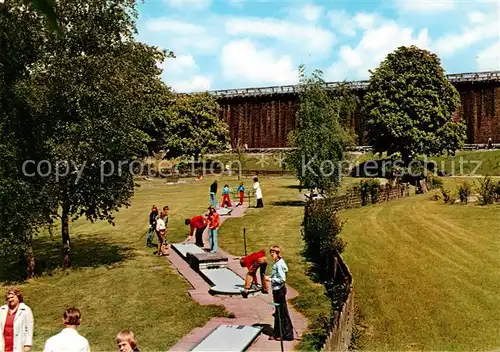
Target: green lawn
pixel 426 274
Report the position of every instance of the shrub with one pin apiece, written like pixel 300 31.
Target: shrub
pixel 320 229
pixel 446 195
pixel 374 190
pixel 464 191
pixel 436 196
pixel 486 189
pixel 434 182
pixel 497 191
pixel 370 188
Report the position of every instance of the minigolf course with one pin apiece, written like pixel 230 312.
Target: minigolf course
pixel 229 338
pixel 213 268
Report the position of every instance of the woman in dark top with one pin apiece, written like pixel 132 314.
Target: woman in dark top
pixel 213 192
pixel 152 226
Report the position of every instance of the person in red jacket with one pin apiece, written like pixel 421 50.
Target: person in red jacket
pixel 253 262
pixel 200 224
pixel 214 223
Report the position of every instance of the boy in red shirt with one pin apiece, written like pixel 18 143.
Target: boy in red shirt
pixel 200 224
pixel 255 261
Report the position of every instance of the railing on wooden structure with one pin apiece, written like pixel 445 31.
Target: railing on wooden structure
pixel 486 76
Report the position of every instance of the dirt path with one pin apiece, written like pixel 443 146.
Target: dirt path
pixel 255 310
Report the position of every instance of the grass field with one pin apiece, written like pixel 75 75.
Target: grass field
pixel 425 274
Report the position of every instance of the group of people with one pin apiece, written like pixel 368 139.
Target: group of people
pixel 283 327
pixel 226 191
pixel 17 327
pixel 158 224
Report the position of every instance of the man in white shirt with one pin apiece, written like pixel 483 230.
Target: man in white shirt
pixel 68 340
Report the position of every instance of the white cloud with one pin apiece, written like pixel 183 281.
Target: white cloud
pixel 310 39
pixel 347 25
pixel 189 4
pixel 365 20
pixel 489 59
pixel 179 64
pixel 167 25
pixel 342 22
pixel 242 61
pixel 311 12
pixel 198 83
pixel 373 47
pixel 424 6
pixel 480 27
pixel 183 36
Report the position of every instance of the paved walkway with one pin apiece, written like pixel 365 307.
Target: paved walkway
pixel 255 310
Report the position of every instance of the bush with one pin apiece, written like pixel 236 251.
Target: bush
pixel 486 189
pixel 434 182
pixel 436 196
pixel 464 191
pixel 446 195
pixel 320 229
pixel 370 188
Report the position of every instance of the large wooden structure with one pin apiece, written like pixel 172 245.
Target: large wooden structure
pixel 263 117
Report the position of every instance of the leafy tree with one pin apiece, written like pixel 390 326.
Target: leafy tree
pixel 409 105
pixel 93 92
pixel 195 126
pixel 24 207
pixel 319 138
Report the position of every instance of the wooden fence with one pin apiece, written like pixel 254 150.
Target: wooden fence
pixel 339 338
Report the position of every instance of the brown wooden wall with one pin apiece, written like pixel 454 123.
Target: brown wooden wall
pixel 265 121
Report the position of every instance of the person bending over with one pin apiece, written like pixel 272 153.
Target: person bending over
pixel 253 262
pixel 200 224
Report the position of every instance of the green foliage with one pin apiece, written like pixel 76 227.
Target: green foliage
pixel 409 105
pixel 369 189
pixel 319 137
pixel 434 182
pixel 83 98
pixel 464 191
pixel 446 195
pixel 320 231
pixel 195 126
pixel 486 188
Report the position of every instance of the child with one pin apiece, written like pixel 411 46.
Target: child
pixel 241 190
pixel 225 196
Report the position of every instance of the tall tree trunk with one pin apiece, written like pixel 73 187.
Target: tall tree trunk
pixel 31 259
pixel 66 245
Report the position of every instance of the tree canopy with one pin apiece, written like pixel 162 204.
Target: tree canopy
pixel 409 105
pixel 194 126
pixel 319 137
pixel 83 99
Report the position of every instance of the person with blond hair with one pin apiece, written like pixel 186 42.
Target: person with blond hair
pixel 68 340
pixel 16 323
pixel 126 341
pixel 283 328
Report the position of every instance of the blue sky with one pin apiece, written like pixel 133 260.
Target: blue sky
pixel 224 44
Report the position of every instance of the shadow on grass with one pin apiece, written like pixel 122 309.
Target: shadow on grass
pixel 293 187
pixel 85 253
pixel 267 329
pixel 289 203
